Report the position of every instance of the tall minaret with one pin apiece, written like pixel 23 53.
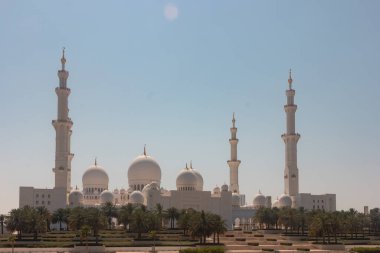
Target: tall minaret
pixel 290 138
pixel 63 131
pixel 234 162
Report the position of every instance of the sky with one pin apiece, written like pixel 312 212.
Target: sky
pixel 170 74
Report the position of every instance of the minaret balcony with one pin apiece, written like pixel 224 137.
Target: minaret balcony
pixel 287 137
pixel 290 108
pixel 63 90
pixel 67 122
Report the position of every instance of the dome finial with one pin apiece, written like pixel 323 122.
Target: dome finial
pixel 63 59
pixel 233 119
pixel 186 167
pixel 290 80
pixel 96 163
pixel 191 164
pixel 145 149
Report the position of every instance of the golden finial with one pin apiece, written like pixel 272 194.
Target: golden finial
pixel 290 80
pixel 63 59
pixel 145 149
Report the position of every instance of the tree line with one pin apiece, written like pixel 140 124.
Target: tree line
pixel 320 224
pixel 132 218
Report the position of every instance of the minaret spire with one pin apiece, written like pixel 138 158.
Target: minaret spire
pixel 62 125
pixel 63 59
pixel 291 138
pixel 290 80
pixel 234 163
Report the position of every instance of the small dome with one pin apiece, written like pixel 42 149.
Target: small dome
pixel 186 180
pixel 199 186
pixel 224 188
pixel 95 177
pixel 235 199
pixel 143 170
pixel 75 198
pixel 276 203
pixel 116 191
pixel 106 196
pixel 259 201
pixel 122 191
pixel 285 201
pixel 216 190
pixel 136 197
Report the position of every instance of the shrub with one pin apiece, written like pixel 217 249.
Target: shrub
pixel 366 249
pixel 253 244
pixel 229 235
pixel 258 235
pixel 303 249
pixel 247 232
pixel 267 249
pixel 286 243
pixel 271 240
pixel 210 249
pixel 240 239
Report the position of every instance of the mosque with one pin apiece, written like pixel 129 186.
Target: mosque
pixel 144 177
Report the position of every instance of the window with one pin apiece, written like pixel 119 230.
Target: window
pixel 49 196
pixel 48 202
pixel 43 195
pixel 43 202
pixel 313 200
pixel 37 195
pixel 322 200
pixel 37 202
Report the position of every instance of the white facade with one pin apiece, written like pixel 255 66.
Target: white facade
pixel 309 201
pixel 144 177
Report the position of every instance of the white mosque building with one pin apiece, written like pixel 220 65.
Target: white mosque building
pixel 144 177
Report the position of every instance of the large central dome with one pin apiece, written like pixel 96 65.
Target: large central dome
pixel 143 170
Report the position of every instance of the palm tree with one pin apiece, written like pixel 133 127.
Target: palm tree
pixel 12 239
pixel 109 210
pixel 124 215
pixel 46 215
pixel 184 220
pixel 84 232
pixel 16 222
pixel 95 219
pixel 352 219
pixel 172 214
pixel 138 223
pixel 2 218
pixel 60 216
pixel 76 218
pixel 160 213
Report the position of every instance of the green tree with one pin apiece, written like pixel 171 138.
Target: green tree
pixel 46 215
pixel 2 219
pixel 139 223
pixel 95 219
pixel 184 220
pixel 76 218
pixel 173 215
pixel 60 216
pixel 124 215
pixel 109 210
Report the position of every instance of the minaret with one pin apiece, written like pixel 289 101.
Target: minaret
pixel 290 138
pixel 63 131
pixel 234 162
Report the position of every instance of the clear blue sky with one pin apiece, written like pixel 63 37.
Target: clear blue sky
pixel 139 78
